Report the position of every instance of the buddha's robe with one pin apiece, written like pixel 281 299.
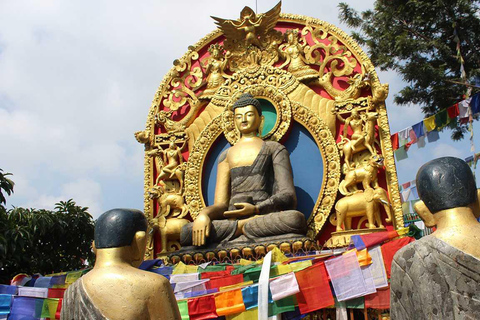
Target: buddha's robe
pixel 433 280
pixel 77 305
pixel 268 184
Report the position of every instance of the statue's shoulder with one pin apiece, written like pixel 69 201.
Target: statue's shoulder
pixel 274 146
pixel 223 155
pixel 419 250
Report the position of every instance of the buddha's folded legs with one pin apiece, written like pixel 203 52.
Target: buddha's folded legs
pixel 275 224
pixel 261 226
pixel 220 230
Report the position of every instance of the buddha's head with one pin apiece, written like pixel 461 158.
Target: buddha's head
pixel 247 115
pixel 119 228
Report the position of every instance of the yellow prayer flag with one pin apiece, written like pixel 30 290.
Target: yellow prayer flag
pixel 281 269
pixel 429 123
pixel 60 286
pixel 237 285
pixel 244 262
pixel 364 259
pixel 403 231
pixel 297 266
pixel 49 308
pixel 181 268
pixel 246 315
pixel 278 256
pixel 72 277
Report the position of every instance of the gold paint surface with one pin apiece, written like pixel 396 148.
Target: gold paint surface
pixel 256 58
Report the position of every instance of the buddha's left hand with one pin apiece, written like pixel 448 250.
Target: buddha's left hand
pixel 244 209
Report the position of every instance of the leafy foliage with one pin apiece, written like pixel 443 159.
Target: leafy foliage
pixel 418 39
pixel 6 185
pixel 44 241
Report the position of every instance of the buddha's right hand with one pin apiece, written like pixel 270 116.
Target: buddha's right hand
pixel 201 229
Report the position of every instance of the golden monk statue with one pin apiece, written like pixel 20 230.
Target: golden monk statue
pixel 438 276
pixel 116 288
pixel 254 195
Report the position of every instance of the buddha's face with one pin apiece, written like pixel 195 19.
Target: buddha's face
pixel 247 119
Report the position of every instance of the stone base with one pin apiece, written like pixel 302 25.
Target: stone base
pixel 241 249
pixel 341 239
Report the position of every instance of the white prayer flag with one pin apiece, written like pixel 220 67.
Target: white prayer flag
pixel 346 276
pixel 263 281
pixel 369 281
pixel 284 286
pixel 377 267
pixel 182 286
pixel 183 277
pixel 33 292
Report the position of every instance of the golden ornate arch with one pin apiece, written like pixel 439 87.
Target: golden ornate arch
pixel 182 113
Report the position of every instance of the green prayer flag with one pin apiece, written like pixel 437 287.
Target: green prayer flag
pixel 49 308
pixel 441 119
pixel 283 305
pixel 242 269
pixel 183 307
pixel 413 205
pixel 39 307
pixel 212 268
pixel 357 303
pixel 400 154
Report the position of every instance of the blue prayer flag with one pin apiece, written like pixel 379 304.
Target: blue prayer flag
pixel 358 242
pixel 6 289
pixel 250 296
pixel 23 308
pixel 475 103
pixel 43 282
pixel 418 129
pixel 433 136
pixel 5 303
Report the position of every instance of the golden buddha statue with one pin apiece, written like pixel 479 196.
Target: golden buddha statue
pixel 438 276
pixel 254 194
pixel 116 288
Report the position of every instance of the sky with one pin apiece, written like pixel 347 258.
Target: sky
pixel 77 79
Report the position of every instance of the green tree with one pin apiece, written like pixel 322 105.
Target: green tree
pixel 6 185
pixel 424 41
pixel 44 241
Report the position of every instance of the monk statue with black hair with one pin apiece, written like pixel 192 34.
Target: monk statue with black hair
pixel 254 194
pixel 438 276
pixel 116 288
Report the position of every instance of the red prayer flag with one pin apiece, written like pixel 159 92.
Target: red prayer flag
pixel 379 299
pixel 56 292
pixel 315 290
pixel 59 308
pixel 224 281
pixel 394 138
pixel 215 274
pixel 453 111
pixel 406 185
pixel 390 248
pixel 375 238
pixel 202 308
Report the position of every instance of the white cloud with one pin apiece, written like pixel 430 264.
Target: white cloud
pixel 447 150
pixel 85 192
pixel 77 79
